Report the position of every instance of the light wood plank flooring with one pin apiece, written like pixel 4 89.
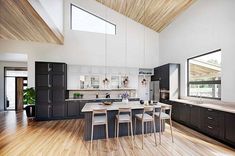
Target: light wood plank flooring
pixel 18 136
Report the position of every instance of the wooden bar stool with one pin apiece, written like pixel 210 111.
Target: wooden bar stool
pixel 146 118
pixel 163 115
pixel 99 117
pixel 124 116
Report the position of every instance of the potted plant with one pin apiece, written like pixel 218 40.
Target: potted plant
pixel 76 95
pixel 29 101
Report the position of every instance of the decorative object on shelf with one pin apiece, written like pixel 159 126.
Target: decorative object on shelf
pixel 29 97
pixel 107 95
pixel 106 81
pixel 77 96
pixel 125 97
pixel 144 81
pixel 142 102
pixel 125 82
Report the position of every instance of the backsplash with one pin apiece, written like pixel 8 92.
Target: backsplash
pixel 91 94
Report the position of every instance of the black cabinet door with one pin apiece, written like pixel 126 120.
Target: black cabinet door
pixel 184 113
pixel 43 111
pixel 58 110
pixel 42 68
pixel 73 108
pixel 43 96
pixel 230 128
pixel 195 116
pixel 81 105
pixel 58 67
pixel 58 80
pixel 43 80
pixel 175 111
pixel 58 96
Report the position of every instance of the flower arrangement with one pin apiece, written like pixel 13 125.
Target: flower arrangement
pixel 125 95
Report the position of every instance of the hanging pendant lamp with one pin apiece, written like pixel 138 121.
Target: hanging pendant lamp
pixel 106 80
pixel 144 81
pixel 125 81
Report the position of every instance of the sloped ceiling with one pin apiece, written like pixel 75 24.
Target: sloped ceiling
pixel 155 14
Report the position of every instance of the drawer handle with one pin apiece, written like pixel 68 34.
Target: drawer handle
pixel 210 118
pixel 210 127
pixel 209 110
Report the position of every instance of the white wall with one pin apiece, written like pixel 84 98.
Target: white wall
pixel 84 48
pixel 2 65
pixel 204 27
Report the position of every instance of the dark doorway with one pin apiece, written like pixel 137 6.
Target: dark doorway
pixel 15 83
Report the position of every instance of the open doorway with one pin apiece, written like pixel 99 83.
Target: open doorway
pixel 15 82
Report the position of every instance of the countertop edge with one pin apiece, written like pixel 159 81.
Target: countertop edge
pixel 205 105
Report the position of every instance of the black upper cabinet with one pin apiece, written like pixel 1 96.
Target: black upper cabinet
pixel 42 67
pixel 50 84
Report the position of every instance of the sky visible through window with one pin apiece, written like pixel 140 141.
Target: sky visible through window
pixel 85 21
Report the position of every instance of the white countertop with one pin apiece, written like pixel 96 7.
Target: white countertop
pixel 219 107
pixel 89 107
pixel 72 99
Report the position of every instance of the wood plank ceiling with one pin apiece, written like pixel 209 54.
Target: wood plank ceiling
pixel 158 13
pixel 20 21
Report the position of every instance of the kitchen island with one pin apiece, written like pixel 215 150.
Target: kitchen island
pixel 112 110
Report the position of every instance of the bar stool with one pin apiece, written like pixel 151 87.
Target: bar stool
pixel 124 116
pixel 99 117
pixel 145 118
pixel 163 115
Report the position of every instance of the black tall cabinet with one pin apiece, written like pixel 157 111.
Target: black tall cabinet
pixel 50 85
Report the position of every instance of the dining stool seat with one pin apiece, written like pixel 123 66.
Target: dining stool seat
pixel 123 118
pixel 146 117
pixel 163 115
pixel 99 120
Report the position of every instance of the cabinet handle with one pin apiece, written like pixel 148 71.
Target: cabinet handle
pixel 209 110
pixel 49 101
pixel 210 127
pixel 48 113
pixel 210 118
pixel 49 85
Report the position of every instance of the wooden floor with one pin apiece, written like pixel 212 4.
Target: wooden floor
pixel 18 136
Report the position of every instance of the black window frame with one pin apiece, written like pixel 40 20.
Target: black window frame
pixel 201 82
pixel 71 5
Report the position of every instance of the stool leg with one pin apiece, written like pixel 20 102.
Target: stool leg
pixel 160 129
pixel 154 129
pixel 92 127
pixel 107 134
pixel 171 130
pixel 128 128
pixel 117 129
pixel 132 135
pixel 142 135
pixel 135 129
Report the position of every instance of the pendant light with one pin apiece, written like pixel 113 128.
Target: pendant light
pixel 144 81
pixel 106 80
pixel 125 81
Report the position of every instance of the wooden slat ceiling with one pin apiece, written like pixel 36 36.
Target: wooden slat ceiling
pixel 158 13
pixel 19 21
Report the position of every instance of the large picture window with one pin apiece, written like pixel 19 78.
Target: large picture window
pixel 204 75
pixel 83 20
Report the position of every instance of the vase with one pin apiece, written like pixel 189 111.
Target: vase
pixel 125 100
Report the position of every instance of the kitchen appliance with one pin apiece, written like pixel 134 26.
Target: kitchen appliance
pixel 154 92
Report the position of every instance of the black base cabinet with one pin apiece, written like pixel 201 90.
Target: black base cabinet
pixel 229 126
pixel 216 124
